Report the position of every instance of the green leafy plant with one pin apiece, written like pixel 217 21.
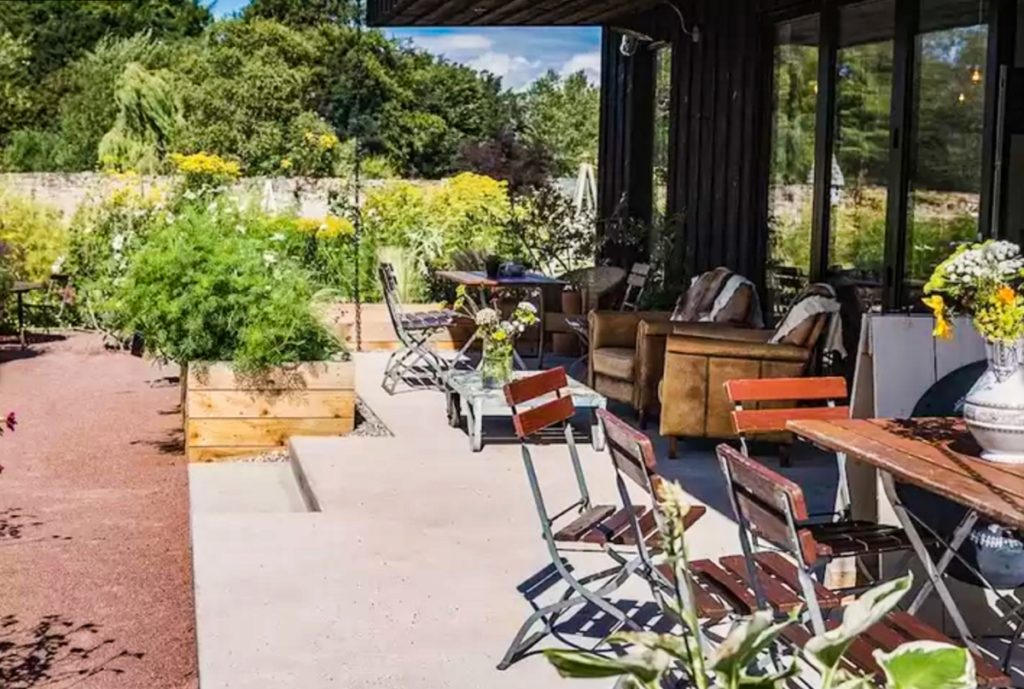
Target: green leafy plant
pixel 202 289
pixel 650 658
pixel 34 236
pixel 104 235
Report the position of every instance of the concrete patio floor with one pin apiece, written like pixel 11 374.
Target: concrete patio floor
pixel 408 573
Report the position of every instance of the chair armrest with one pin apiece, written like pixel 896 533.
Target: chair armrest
pixel 651 338
pixel 736 349
pixel 618 328
pixel 721 331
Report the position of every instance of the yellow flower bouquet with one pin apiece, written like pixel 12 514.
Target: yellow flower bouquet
pixel 984 281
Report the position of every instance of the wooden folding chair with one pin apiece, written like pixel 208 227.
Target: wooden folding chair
pixel 540 403
pixel 784 397
pixel 773 508
pixel 414 331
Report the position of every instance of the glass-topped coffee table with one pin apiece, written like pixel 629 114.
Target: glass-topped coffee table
pixel 468 397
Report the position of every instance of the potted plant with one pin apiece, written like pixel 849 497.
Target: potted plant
pixel 986 282
pixel 212 294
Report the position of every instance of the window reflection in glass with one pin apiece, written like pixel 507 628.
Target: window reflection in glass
pixel 860 156
pixel 795 92
pixel 947 136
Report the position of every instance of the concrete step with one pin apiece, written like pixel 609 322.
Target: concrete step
pixel 244 488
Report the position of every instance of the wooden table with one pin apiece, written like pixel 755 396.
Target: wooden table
pixel 938 455
pixel 486 287
pixel 20 289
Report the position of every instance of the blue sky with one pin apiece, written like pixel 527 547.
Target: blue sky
pixel 517 55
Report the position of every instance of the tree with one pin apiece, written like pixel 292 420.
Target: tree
pixel 563 116
pixel 15 83
pixel 57 31
pixel 302 13
pixel 149 112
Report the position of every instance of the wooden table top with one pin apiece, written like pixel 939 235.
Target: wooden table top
pixel 473 278
pixel 22 287
pixel 937 454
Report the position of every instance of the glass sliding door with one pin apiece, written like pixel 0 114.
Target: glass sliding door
pixel 947 136
pixel 861 149
pixel 791 187
pixel 662 120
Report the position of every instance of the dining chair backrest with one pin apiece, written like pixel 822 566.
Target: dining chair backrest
pixel 389 286
pixel 631 451
pixel 768 505
pixel 636 283
pixel 539 417
pixel 792 391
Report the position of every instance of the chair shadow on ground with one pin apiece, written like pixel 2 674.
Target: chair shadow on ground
pixel 18 526
pixel 587 627
pixel 57 650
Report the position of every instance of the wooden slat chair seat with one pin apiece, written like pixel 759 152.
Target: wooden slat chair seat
pixel 774 508
pixel 608 525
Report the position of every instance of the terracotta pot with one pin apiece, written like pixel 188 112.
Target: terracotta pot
pixel 572 303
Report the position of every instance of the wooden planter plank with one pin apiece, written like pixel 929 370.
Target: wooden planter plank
pixel 288 404
pixel 245 433
pixel 311 376
pixel 228 415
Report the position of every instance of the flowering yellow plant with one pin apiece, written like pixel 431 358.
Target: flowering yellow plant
pixel 205 164
pixel 327 228
pixel 984 281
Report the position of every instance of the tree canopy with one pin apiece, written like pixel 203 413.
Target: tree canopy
pixel 268 88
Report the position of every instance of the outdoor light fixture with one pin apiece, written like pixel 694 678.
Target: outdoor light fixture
pixel 976 75
pixel 632 39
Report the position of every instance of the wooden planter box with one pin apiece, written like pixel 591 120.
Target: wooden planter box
pixel 227 415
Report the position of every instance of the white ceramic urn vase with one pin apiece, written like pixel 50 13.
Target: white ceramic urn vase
pixel 994 408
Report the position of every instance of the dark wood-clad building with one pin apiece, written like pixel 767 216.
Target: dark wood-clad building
pixel 799 139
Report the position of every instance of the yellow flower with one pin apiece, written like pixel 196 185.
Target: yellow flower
pixel 286 164
pixel 327 141
pixel 1007 295
pixel 943 328
pixel 203 163
pixel 499 336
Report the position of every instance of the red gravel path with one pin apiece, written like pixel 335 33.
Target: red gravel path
pixel 95 561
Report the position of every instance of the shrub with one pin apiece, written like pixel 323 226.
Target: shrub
pixel 205 289
pixel 203 172
pixel 34 235
pixel 105 234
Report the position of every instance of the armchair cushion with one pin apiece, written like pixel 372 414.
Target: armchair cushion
pixel 615 362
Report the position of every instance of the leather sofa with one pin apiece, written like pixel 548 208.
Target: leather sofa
pixel 627 349
pixel 700 360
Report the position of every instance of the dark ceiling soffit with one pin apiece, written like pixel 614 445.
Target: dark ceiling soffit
pixel 396 13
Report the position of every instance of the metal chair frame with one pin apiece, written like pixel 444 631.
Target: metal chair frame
pixel 404 363
pixel 528 421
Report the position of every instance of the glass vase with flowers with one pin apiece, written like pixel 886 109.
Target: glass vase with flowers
pixel 498 335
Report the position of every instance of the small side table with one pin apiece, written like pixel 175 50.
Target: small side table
pixel 467 396
pixel 20 289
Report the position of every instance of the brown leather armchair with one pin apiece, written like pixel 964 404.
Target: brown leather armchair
pixel 627 349
pixel 627 356
pixel 700 358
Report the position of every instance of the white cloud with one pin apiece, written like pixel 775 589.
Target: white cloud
pixel 447 44
pixel 589 63
pixel 515 71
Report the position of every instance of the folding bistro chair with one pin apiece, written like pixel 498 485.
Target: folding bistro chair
pixel 773 508
pixel 782 395
pixel 414 331
pixel 539 404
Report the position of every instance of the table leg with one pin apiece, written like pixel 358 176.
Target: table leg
pixel 454 408
pixel 934 574
pixel 597 439
pixel 21 320
pixel 476 426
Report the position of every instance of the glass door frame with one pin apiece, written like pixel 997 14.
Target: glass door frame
pixel 1000 45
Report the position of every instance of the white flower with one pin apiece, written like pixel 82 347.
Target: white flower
pixel 487 317
pixel 269 258
pixel 117 243
pixel 528 307
pixel 277 237
pixel 57 266
pixel 189 195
